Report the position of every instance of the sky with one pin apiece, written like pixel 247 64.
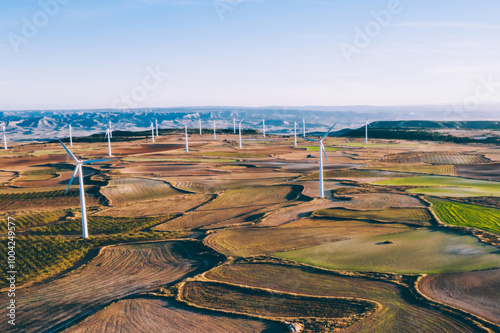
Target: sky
pixel 70 54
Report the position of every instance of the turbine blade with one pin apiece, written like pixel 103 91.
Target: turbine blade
pixel 331 128
pixel 72 178
pixel 96 161
pixel 314 140
pixel 324 152
pixel 68 151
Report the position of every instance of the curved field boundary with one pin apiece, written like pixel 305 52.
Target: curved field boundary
pixel 273 305
pixel 116 272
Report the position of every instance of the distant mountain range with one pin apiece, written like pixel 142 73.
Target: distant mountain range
pixel 49 125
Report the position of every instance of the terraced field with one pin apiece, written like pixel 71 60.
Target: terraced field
pixel 398 313
pixel 443 170
pixel 454 158
pixel 45 200
pixel 115 273
pixel 121 191
pixel 475 292
pixel 419 216
pixel 420 251
pixel 465 215
pixel 25 221
pixel 260 302
pixel 235 206
pixel 298 234
pixel 156 315
pixel 447 186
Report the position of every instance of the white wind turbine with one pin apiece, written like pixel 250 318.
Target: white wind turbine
pixel 152 132
pixel 70 135
pixel 263 128
pixel 156 123
pixel 234 125
pixel 199 123
pixel 215 129
pixel 4 138
pixel 108 135
pixel 186 132
pixel 239 127
pixel 321 152
pixel 110 128
pixel 79 171
pixel 366 130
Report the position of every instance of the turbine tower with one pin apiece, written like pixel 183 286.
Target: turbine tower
pixel 156 123
pixel 295 134
pixel 4 138
pixel 152 132
pixel 79 171
pixel 263 128
pixel 366 130
pixel 199 123
pixel 108 135
pixel 304 127
pixel 70 135
pixel 110 130
pixel 321 152
pixel 234 125
pixel 215 134
pixel 239 126
pixel 187 144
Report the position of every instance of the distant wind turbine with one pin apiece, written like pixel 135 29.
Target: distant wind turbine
pixel 199 123
pixel 152 132
pixel 321 152
pixel 108 135
pixel 70 135
pixel 366 130
pixel 239 126
pixel 156 122
pixel 110 129
pixel 304 127
pixel 234 125
pixel 4 138
pixel 187 144
pixel 263 128
pixel 79 171
pixel 215 129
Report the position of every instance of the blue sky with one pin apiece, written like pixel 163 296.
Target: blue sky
pixel 89 54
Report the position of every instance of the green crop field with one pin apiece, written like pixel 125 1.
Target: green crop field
pixel 33 220
pixel 420 251
pixel 443 170
pixel 447 186
pixel 466 215
pixel 418 216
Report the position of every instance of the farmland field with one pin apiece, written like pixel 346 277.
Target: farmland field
pixel 465 215
pixel 437 158
pixel 397 313
pixel 154 315
pixel 443 170
pixel 67 300
pixel 420 251
pixel 447 186
pixel 121 191
pixel 262 302
pixel 476 292
pixel 418 216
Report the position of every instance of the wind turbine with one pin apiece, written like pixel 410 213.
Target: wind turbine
pixel 4 138
pixel 70 135
pixel 156 122
pixel 108 135
pixel 152 132
pixel 295 134
pixel 239 126
pixel 199 123
pixel 366 131
pixel 234 125
pixel 321 152
pixel 110 130
pixel 79 171
pixel 187 144
pixel 215 134
pixel 263 128
pixel 304 127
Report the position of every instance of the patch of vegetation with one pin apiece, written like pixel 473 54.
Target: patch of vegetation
pixel 466 215
pixel 232 154
pixel 419 216
pixel 316 148
pixel 443 170
pixel 33 220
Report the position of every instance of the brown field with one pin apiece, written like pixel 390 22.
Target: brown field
pixel 454 158
pixel 234 204
pixel 418 216
pixel 476 292
pixel 160 315
pixel 398 313
pixel 482 171
pixel 115 273
pixel 121 191
pixel 260 302
pixel 302 233
pixel 163 206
